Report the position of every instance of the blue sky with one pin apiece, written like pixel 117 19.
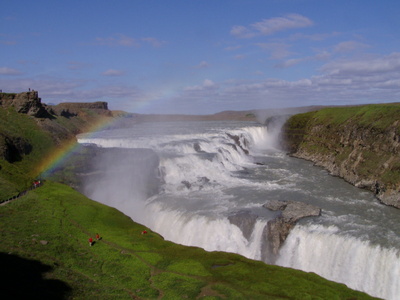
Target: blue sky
pixel 202 56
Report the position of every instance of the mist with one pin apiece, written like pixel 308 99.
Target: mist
pixel 124 179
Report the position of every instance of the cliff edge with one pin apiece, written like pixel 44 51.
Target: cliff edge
pixel 361 144
pixel 31 130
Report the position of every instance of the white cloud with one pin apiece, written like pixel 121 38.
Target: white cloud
pixel 154 42
pixel 239 56
pixel 271 26
pixel 9 71
pixel 118 40
pixel 276 50
pixel 76 65
pixel 312 37
pixel 112 72
pixel 241 32
pixel 56 90
pixel 349 46
pixel 295 61
pixel 232 48
pixel 6 39
pixel 365 66
pixel 207 85
pixel 202 65
pixel 127 41
pixel 290 62
pixel 367 80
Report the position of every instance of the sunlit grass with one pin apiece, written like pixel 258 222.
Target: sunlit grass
pixel 52 225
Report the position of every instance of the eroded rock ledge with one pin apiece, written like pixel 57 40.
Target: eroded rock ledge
pixel 359 144
pixel 285 216
pixel 278 229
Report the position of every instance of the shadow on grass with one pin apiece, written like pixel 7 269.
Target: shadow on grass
pixel 23 279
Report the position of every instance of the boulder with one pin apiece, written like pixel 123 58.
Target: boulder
pixel 277 230
pixel 236 139
pixel 292 211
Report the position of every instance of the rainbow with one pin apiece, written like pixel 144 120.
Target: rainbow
pixel 49 163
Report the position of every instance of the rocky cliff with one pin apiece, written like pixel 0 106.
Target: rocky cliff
pixel 360 144
pixel 71 109
pixel 27 103
pixel 277 229
pixel 31 130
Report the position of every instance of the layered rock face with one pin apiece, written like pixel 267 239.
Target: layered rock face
pixel 275 232
pixel 73 109
pixel 361 145
pixel 50 118
pixel 27 103
pixel 279 228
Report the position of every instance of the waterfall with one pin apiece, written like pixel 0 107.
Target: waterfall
pixel 206 174
pixel 346 259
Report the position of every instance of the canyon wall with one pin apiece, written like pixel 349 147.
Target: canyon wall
pixel 361 144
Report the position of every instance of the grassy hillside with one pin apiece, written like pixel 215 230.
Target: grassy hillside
pixel 17 128
pixel 26 141
pixel 44 251
pixel 376 118
pixel 45 234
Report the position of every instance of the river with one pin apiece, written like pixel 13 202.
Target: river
pixel 208 171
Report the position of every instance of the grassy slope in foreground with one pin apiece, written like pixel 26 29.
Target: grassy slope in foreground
pixel 125 264
pixel 17 176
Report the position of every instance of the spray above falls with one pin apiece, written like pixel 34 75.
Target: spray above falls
pixel 210 180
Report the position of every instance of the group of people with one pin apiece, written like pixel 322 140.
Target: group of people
pixel 36 183
pixel 91 242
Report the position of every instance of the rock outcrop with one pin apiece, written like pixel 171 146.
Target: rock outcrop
pixel 238 143
pixel 27 103
pixel 275 232
pixel 12 149
pixel 358 144
pixel 73 109
pixel 279 228
pixel 50 118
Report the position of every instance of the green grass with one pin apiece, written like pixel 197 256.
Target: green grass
pixel 125 264
pixel 374 116
pixel 44 250
pixel 17 176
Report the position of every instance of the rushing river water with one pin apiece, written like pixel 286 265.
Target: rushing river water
pixel 211 170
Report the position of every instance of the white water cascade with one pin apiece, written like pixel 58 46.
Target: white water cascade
pixel 212 170
pixel 345 259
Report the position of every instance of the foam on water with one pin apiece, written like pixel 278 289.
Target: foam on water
pixel 346 259
pixel 208 176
